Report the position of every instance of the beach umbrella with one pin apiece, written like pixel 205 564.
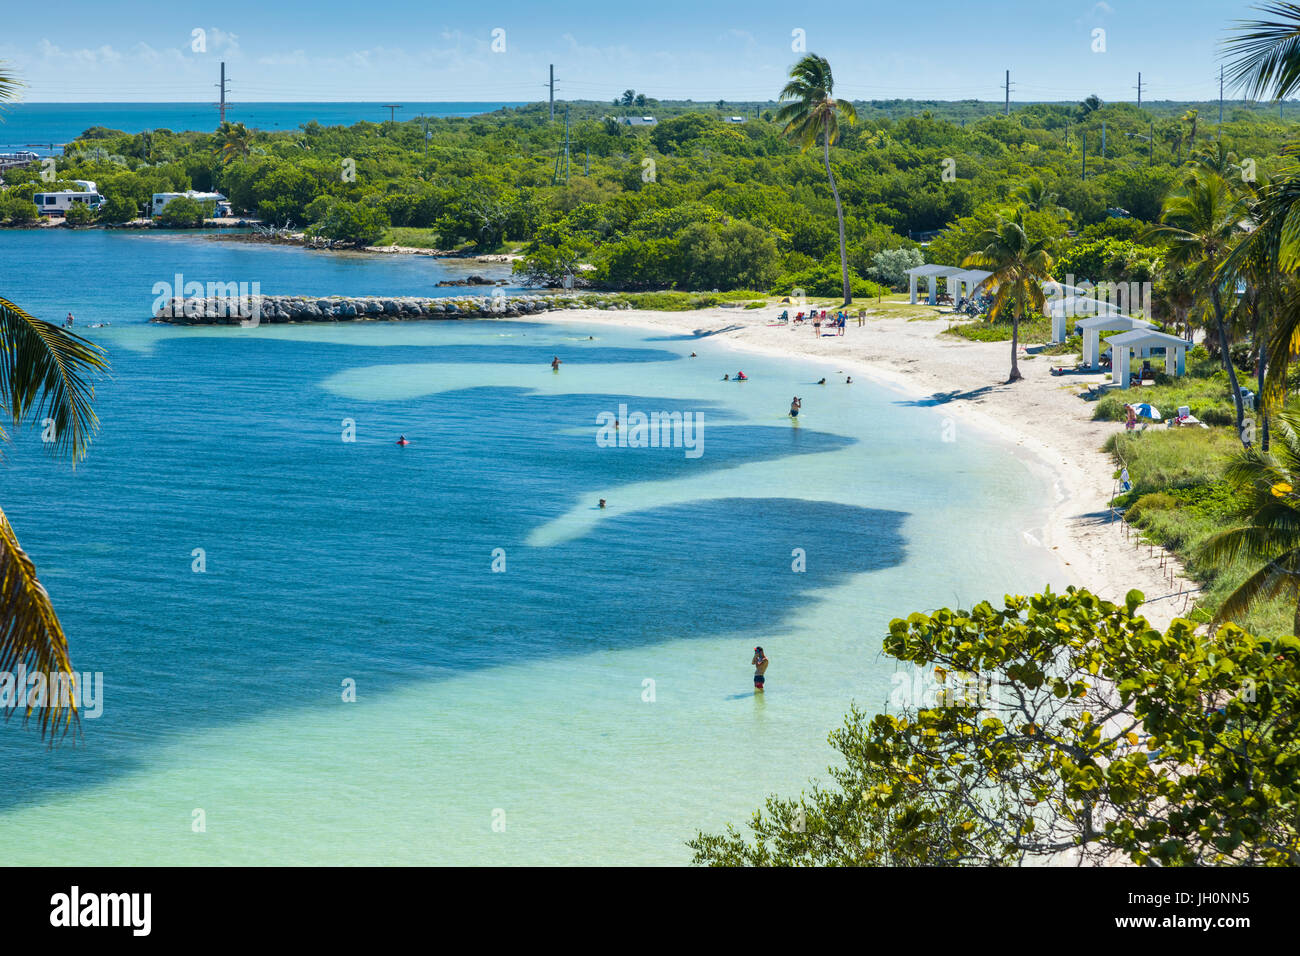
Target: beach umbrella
pixel 1146 410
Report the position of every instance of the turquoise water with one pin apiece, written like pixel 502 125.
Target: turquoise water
pixel 519 696
pixel 37 125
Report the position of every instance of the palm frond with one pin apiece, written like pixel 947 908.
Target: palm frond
pixel 1267 53
pixel 31 637
pixel 45 371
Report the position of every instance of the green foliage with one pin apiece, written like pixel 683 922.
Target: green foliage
pixel 352 222
pixel 79 214
pixel 1058 722
pixel 182 212
pixel 489 182
pixel 17 209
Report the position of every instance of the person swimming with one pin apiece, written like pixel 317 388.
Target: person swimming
pixel 726 377
pixel 602 502
pixel 849 380
pixel 760 663
pixel 693 355
pixel 401 440
pixel 822 382
pixel 740 377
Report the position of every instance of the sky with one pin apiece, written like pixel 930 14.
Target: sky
pixel 395 50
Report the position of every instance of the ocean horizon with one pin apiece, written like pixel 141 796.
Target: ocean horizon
pixel 40 125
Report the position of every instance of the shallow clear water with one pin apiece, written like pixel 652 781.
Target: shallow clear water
pixel 481 696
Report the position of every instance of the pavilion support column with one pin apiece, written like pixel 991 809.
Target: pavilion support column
pixel 911 288
pixel 1121 376
pixel 932 283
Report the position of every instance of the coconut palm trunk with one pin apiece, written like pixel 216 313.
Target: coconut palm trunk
pixel 839 213
pixel 1217 298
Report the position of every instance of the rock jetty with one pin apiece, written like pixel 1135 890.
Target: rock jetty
pixel 236 310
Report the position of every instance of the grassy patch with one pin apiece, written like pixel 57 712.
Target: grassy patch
pixel 672 301
pixel 982 330
pixel 1204 391
pixel 1180 498
pixel 414 237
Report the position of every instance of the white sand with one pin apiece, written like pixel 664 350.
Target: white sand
pixel 1041 414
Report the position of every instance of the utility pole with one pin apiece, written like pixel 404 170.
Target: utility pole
pixel 1006 110
pixel 222 105
pixel 392 111
pixel 552 92
pixel 1139 90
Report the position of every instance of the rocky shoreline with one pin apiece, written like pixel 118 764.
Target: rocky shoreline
pixel 254 309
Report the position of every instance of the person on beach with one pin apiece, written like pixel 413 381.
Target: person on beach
pixel 1131 417
pixel 555 364
pixel 817 326
pixel 760 663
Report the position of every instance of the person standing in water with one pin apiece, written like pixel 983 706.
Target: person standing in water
pixel 760 663
pixel 555 364
pixel 795 405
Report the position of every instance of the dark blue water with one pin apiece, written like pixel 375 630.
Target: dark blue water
pixel 37 125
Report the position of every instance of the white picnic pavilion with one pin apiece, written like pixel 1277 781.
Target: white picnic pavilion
pixel 1060 310
pixel 967 282
pixel 931 273
pixel 1142 341
pixel 1092 327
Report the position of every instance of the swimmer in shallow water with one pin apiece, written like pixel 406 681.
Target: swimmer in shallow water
pixel 796 403
pixel 555 364
pixel 760 663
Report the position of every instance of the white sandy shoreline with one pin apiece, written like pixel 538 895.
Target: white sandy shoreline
pixel 1042 415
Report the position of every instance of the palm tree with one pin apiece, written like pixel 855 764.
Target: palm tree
pixel 1190 118
pixel 1270 528
pixel 233 139
pixel 1019 269
pixel 1220 159
pixel 44 375
pixel 1202 219
pixel 1035 196
pixel 810 111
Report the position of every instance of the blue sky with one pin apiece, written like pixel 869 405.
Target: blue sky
pixel 133 50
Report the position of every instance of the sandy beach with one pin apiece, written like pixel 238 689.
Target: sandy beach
pixel 903 348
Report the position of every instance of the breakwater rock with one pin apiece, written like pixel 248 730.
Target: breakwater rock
pixel 254 309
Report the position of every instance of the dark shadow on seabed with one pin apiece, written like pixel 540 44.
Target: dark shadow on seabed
pixel 327 560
